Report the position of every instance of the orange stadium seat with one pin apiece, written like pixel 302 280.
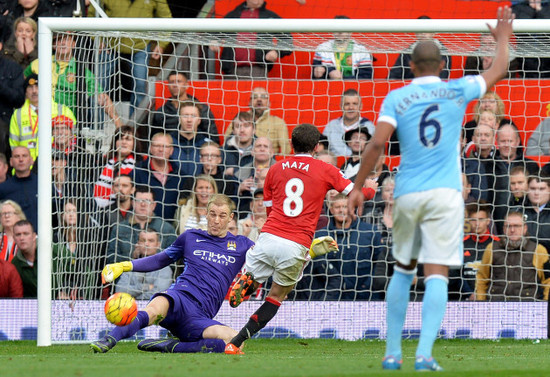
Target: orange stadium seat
pixel 316 102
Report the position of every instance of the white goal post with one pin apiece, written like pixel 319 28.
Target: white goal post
pixel 48 26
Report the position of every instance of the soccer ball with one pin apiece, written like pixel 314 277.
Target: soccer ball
pixel 121 309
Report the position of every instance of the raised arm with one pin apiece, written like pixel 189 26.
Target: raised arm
pixel 502 33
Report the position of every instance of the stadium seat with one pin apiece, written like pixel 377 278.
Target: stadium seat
pixel 328 334
pixel 371 334
pixel 77 333
pixel 29 333
pixel 507 333
pixel 463 334
pixel 276 333
pixel 3 336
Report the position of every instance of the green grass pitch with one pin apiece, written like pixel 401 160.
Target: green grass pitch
pixel 277 357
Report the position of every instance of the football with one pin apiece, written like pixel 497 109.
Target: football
pixel 121 309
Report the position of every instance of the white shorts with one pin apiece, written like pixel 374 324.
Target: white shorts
pixel 429 226
pixel 278 257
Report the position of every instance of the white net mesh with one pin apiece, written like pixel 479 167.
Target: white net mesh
pixel 100 233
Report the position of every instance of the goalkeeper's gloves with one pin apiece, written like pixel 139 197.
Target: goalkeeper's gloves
pixel 323 245
pixel 114 270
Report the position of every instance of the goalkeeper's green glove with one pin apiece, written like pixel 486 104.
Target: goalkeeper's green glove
pixel 323 245
pixel 114 270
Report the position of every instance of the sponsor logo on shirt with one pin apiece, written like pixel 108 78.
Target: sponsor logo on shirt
pixel 212 256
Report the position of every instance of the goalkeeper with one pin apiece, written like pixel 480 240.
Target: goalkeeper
pixel 212 259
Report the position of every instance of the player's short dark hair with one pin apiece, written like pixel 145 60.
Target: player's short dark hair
pixel 427 56
pixel 172 73
pixel 221 200
pixel 305 137
pixel 144 189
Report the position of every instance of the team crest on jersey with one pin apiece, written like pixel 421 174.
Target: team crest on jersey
pixel 231 245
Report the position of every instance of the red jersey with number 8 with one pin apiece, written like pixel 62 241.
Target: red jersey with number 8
pixel 294 191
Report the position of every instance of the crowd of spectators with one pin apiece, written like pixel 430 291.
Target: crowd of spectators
pixel 149 187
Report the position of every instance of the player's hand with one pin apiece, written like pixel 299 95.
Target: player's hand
pixel 323 245
pixel 114 270
pixel 504 29
pixel 355 202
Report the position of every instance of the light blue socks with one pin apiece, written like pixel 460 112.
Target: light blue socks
pixel 397 298
pixel 433 310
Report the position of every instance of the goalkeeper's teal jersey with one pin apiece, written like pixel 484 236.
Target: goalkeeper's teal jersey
pixel 427 115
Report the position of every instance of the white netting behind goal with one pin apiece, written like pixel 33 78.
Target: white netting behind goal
pixel 102 87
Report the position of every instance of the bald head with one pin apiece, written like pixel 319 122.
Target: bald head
pixel 426 57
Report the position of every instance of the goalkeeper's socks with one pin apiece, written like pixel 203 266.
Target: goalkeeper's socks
pixel 203 345
pixel 257 321
pixel 433 310
pixel 397 299
pixel 123 332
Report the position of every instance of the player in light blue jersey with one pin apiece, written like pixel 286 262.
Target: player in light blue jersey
pixel 428 214
pixel 212 258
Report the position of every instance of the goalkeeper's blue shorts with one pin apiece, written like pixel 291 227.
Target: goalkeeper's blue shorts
pixel 185 319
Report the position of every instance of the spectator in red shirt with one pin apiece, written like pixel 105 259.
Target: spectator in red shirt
pixel 10 281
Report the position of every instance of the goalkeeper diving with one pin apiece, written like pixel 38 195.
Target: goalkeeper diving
pixel 212 259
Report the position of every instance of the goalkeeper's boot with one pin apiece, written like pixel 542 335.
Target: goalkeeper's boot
pixel 104 344
pixel 423 364
pixel 242 288
pixel 164 345
pixel 392 363
pixel 231 349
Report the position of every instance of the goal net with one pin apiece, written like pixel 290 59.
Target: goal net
pixel 347 289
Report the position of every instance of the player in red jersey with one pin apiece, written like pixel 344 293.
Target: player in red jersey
pixel 294 192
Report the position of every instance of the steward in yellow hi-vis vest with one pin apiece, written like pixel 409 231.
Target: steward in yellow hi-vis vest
pixel 24 121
